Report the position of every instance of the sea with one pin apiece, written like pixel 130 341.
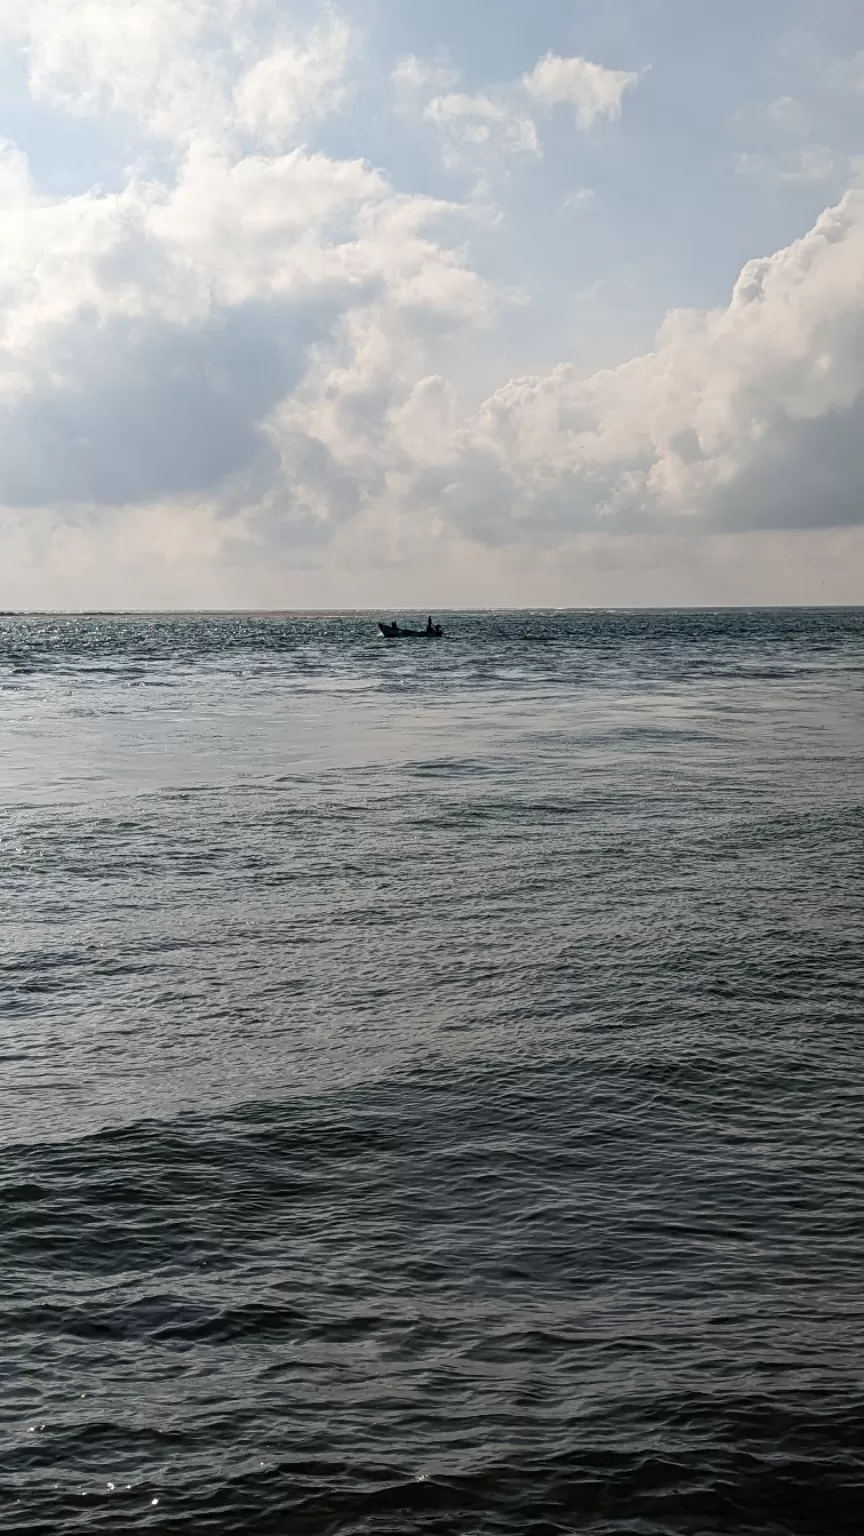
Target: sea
pixel 432 1075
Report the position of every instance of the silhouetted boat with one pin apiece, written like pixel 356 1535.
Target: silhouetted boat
pixel 393 632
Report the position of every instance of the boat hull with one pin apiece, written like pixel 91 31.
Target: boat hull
pixel 391 632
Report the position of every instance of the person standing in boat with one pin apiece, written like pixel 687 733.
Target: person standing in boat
pixel 430 627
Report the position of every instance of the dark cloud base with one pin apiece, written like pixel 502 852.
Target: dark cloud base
pixel 147 411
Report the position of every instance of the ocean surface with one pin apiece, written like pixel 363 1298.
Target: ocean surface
pixel 432 1075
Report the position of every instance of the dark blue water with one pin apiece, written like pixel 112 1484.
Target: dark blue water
pixel 433 1075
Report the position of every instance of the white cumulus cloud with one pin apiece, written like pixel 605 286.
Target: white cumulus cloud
pixel 749 415
pixel 592 91
pixel 293 85
pixel 148 334
pixel 190 72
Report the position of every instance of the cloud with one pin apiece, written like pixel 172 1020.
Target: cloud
pixel 578 201
pixel 747 416
pixel 257 349
pixel 294 85
pixel 783 119
pixel 592 91
pixel 480 132
pixel 781 149
pixel 190 72
pixel 412 76
pixel 138 413
pixel 168 64
pixel 199 306
pixel 750 416
pixel 798 167
pixel 146 335
pixel 488 129
pixel 472 125
pixel 839 71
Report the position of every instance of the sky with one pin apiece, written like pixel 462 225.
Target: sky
pixel 397 305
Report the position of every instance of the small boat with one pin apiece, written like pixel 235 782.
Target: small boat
pixel 393 632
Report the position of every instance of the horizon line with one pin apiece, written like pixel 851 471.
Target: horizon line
pixel 335 613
